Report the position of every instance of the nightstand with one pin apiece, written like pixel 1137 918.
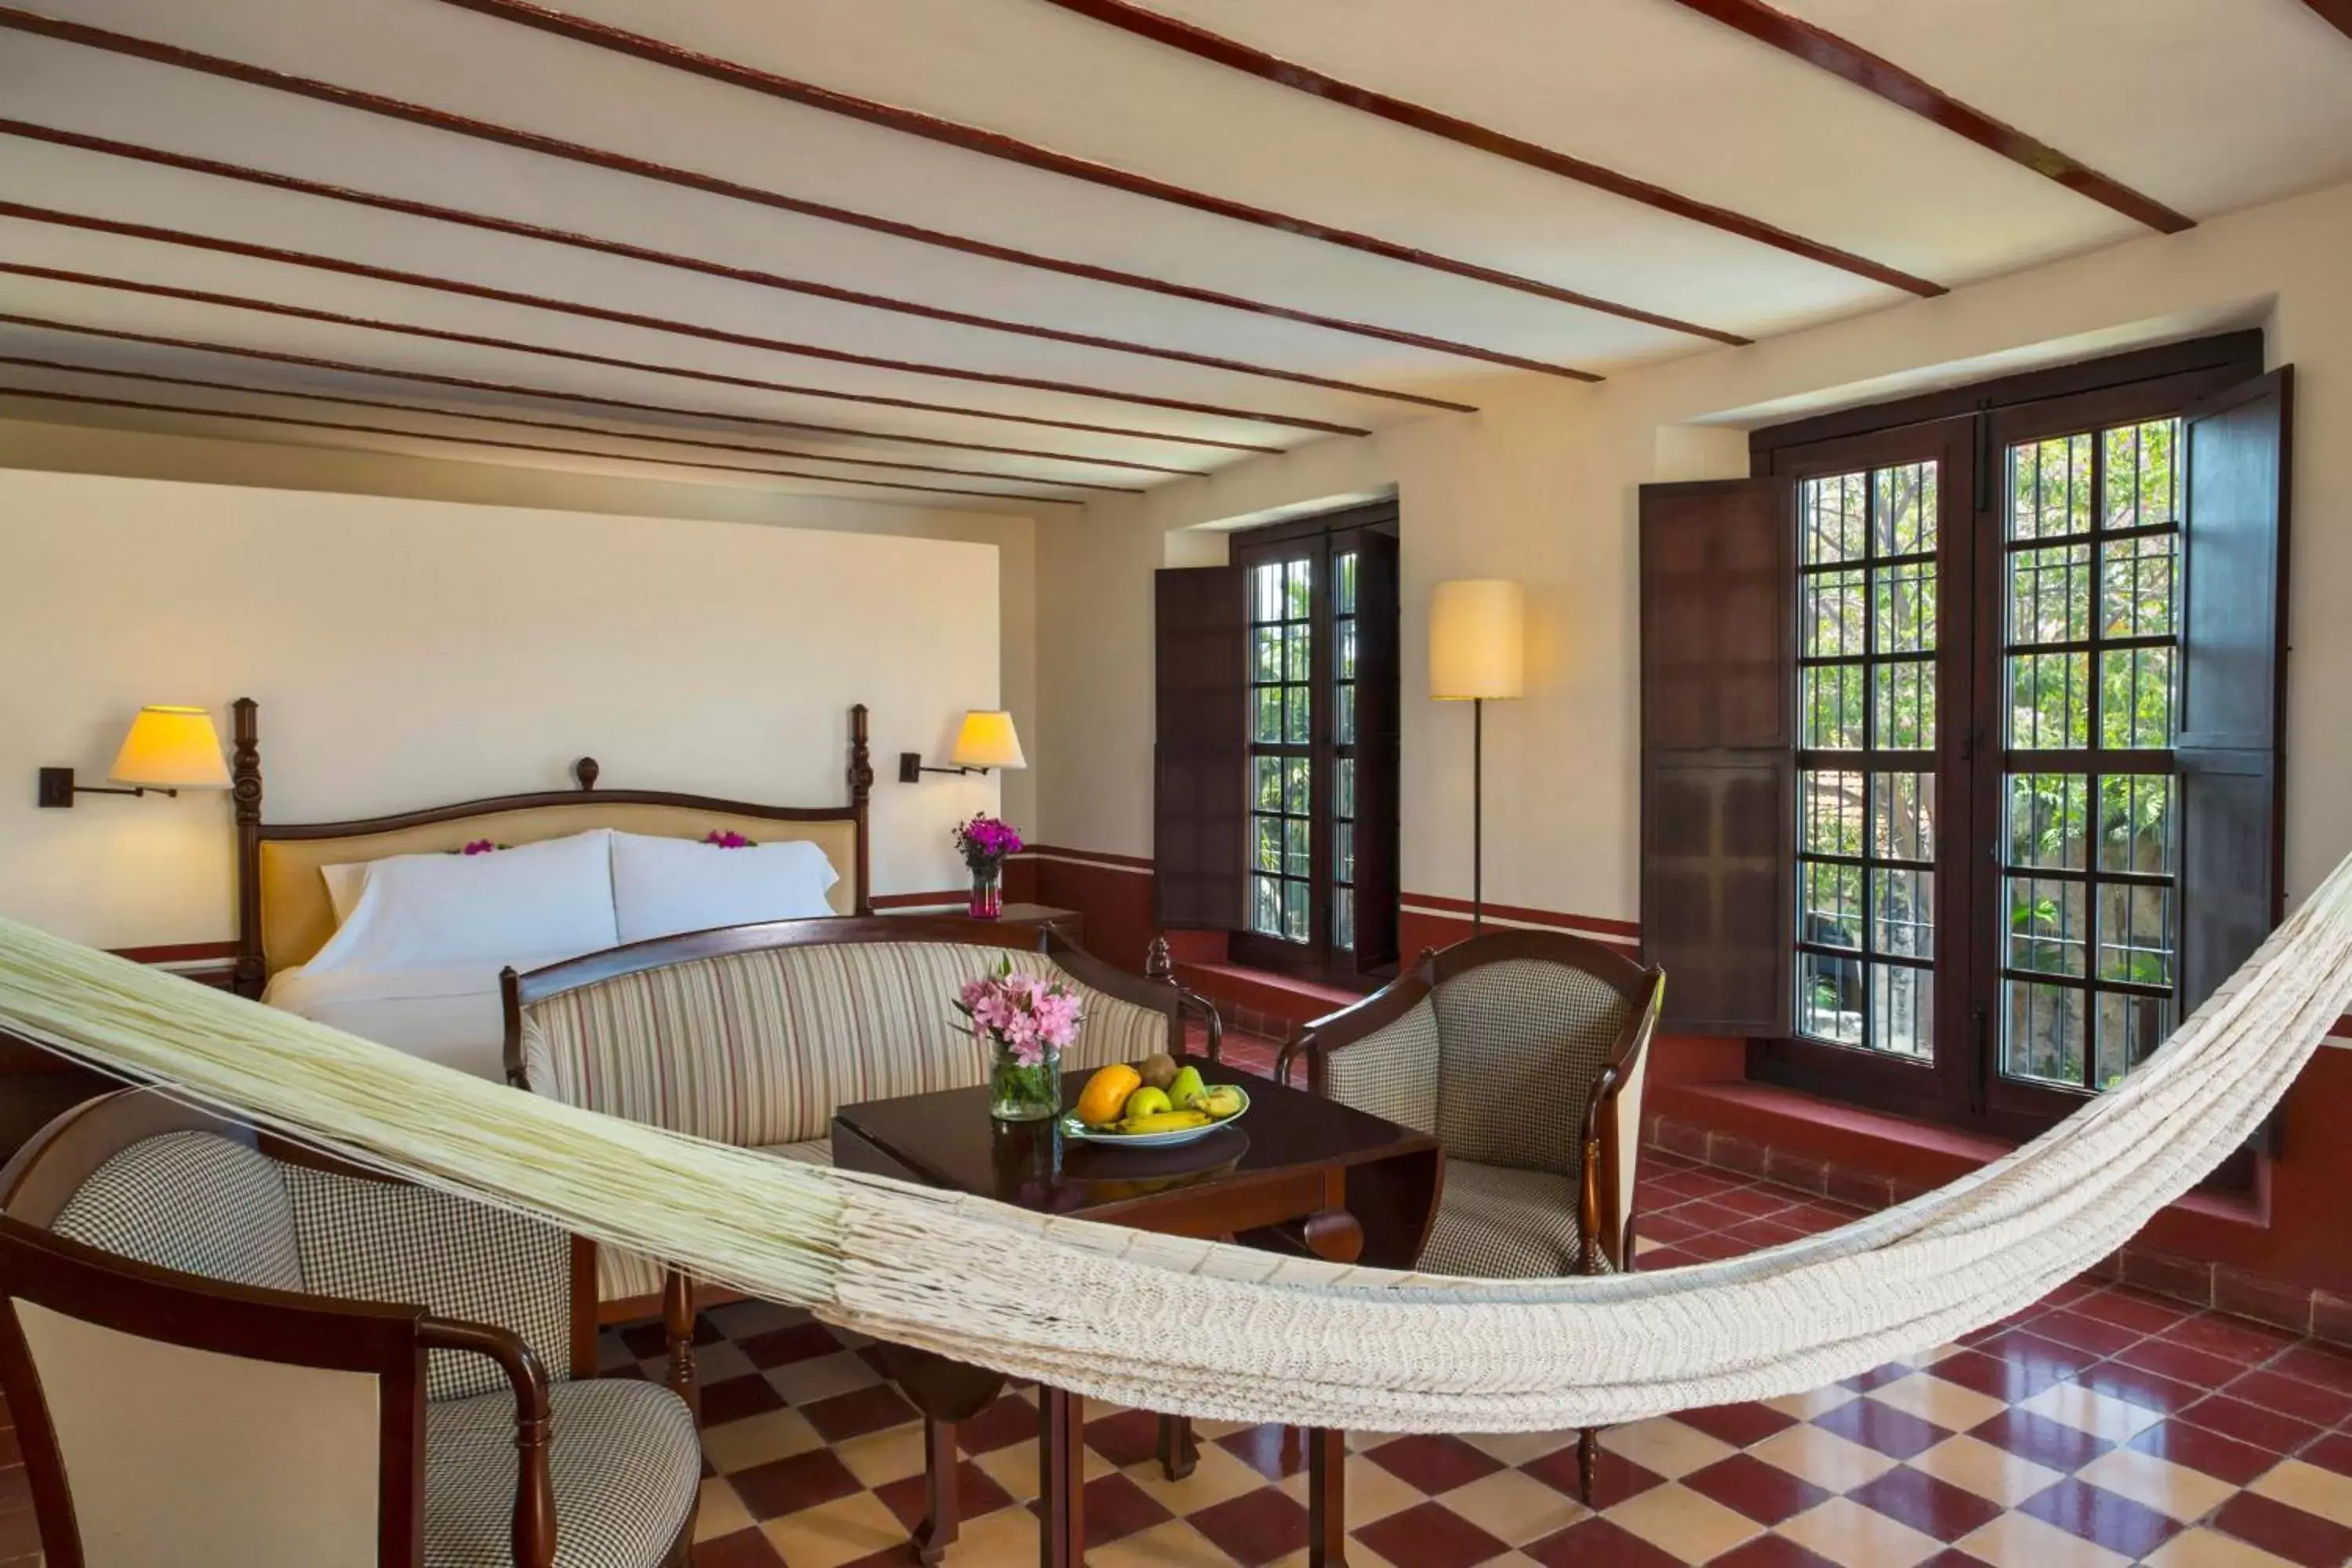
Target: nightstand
pixel 1070 925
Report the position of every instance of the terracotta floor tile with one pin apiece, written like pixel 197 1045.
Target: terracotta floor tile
pixel 1431 1536
pixel 977 1493
pixel 743 1548
pixel 2103 1517
pixel 1992 1473
pixel 2182 1363
pixel 834 1533
pixel 2324 1365
pixel 2147 1390
pixel 1931 1397
pixel 1682 1524
pixel 2204 1548
pixel 2052 1444
pixel 1255 1528
pixel 1597 1543
pixel 2236 1338
pixel 1737 1425
pixel 1116 1507
pixel 1615 1477
pixel 2301 1538
pixel 2173 1489
pixel 2021 1541
pixel 1666 1446
pixel 2333 1452
pixel 2130 1308
pixel 1272 1451
pixel 2291 1395
pixel 1435 1465
pixel 2224 1459
pixel 1771 1551
pixel 1510 1505
pixel 1881 1426
pixel 2310 1489
pixel 1853 1536
pixel 1764 1492
pixel 1830 1462
pixel 1011 1419
pixel 786 1486
pixel 1927 1503
pixel 2069 1327
pixel 1125 1437
pixel 736 1397
pixel 2101 1415
pixel 858 1412
pixel 2250 1424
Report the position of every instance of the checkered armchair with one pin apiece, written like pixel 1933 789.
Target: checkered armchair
pixel 1523 1053
pixel 221 1350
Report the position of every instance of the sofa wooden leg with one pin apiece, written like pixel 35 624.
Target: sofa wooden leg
pixel 1588 1458
pixel 677 1327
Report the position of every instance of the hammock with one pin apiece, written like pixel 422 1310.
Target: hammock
pixel 1223 1331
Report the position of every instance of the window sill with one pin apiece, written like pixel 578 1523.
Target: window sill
pixel 1869 1158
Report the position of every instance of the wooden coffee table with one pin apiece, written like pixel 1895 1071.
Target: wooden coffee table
pixel 1298 1172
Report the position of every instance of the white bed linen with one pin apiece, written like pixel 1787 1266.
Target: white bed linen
pixel 450 1016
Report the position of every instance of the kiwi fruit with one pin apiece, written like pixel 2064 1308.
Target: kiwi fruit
pixel 1158 1069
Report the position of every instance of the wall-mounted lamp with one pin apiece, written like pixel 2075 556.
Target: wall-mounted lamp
pixel 985 742
pixel 167 751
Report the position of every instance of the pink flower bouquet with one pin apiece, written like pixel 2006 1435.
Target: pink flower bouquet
pixel 1026 1024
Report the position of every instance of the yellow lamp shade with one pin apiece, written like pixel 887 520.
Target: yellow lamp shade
pixel 1478 636
pixel 171 748
pixel 987 741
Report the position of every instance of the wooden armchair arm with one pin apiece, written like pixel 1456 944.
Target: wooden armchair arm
pixel 534 1510
pixel 1335 1031
pixel 1603 1219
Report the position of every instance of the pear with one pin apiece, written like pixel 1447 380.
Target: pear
pixel 1185 1087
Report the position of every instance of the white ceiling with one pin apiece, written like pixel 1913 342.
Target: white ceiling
pixel 2203 105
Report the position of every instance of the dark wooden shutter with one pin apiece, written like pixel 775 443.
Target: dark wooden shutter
pixel 2232 679
pixel 1719 764
pixel 1200 760
pixel 1377 609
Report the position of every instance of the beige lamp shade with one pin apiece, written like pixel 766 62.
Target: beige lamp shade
pixel 171 748
pixel 1477 635
pixel 987 741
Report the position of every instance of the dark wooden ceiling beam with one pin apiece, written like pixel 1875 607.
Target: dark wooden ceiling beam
pixel 2338 11
pixel 1030 154
pixel 1875 73
pixel 580 356
pixel 14 18
pixel 590 400
pixel 1234 54
pixel 473 415
pixel 313 261
pixel 289 420
pixel 165 158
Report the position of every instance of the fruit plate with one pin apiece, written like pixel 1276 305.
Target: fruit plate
pixel 1074 1127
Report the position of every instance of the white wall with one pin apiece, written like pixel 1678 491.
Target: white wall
pixel 408 653
pixel 1541 486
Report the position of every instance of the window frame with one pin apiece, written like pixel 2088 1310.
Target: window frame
pixel 1321 539
pixel 1973 427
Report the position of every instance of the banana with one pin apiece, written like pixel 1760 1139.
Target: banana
pixel 1165 1122
pixel 1220 1102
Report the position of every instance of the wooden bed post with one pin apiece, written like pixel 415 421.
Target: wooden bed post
pixel 861 787
pixel 245 791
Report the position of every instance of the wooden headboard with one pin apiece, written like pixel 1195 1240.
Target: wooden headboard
pixel 282 912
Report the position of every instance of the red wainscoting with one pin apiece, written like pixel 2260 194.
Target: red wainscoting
pixel 1114 893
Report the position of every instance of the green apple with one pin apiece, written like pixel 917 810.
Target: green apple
pixel 1147 1101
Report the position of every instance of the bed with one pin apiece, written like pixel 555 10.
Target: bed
pixel 294 952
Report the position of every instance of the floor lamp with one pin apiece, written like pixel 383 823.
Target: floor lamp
pixel 1477 635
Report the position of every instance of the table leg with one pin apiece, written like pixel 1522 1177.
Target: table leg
pixel 1178 1451
pixel 942 1518
pixel 1061 1478
pixel 1326 1498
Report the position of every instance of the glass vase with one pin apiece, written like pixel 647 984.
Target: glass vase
pixel 1024 1092
pixel 987 891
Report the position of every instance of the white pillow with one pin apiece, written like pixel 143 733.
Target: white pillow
pixel 417 912
pixel 344 885
pixel 664 886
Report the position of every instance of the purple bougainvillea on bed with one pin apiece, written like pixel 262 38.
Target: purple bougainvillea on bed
pixel 729 840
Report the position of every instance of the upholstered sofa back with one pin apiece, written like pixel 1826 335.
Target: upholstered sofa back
pixel 756 1048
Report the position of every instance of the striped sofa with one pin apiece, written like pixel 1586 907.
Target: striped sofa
pixel 753 1036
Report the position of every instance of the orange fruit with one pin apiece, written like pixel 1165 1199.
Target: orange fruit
pixel 1105 1096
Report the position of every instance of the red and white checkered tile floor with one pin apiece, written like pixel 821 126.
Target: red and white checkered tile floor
pixel 2100 1428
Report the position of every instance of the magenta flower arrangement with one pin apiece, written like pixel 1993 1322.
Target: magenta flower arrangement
pixel 478 847
pixel 727 840
pixel 1026 1023
pixel 985 841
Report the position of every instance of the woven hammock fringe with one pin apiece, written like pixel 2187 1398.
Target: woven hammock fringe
pixel 1222 1331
